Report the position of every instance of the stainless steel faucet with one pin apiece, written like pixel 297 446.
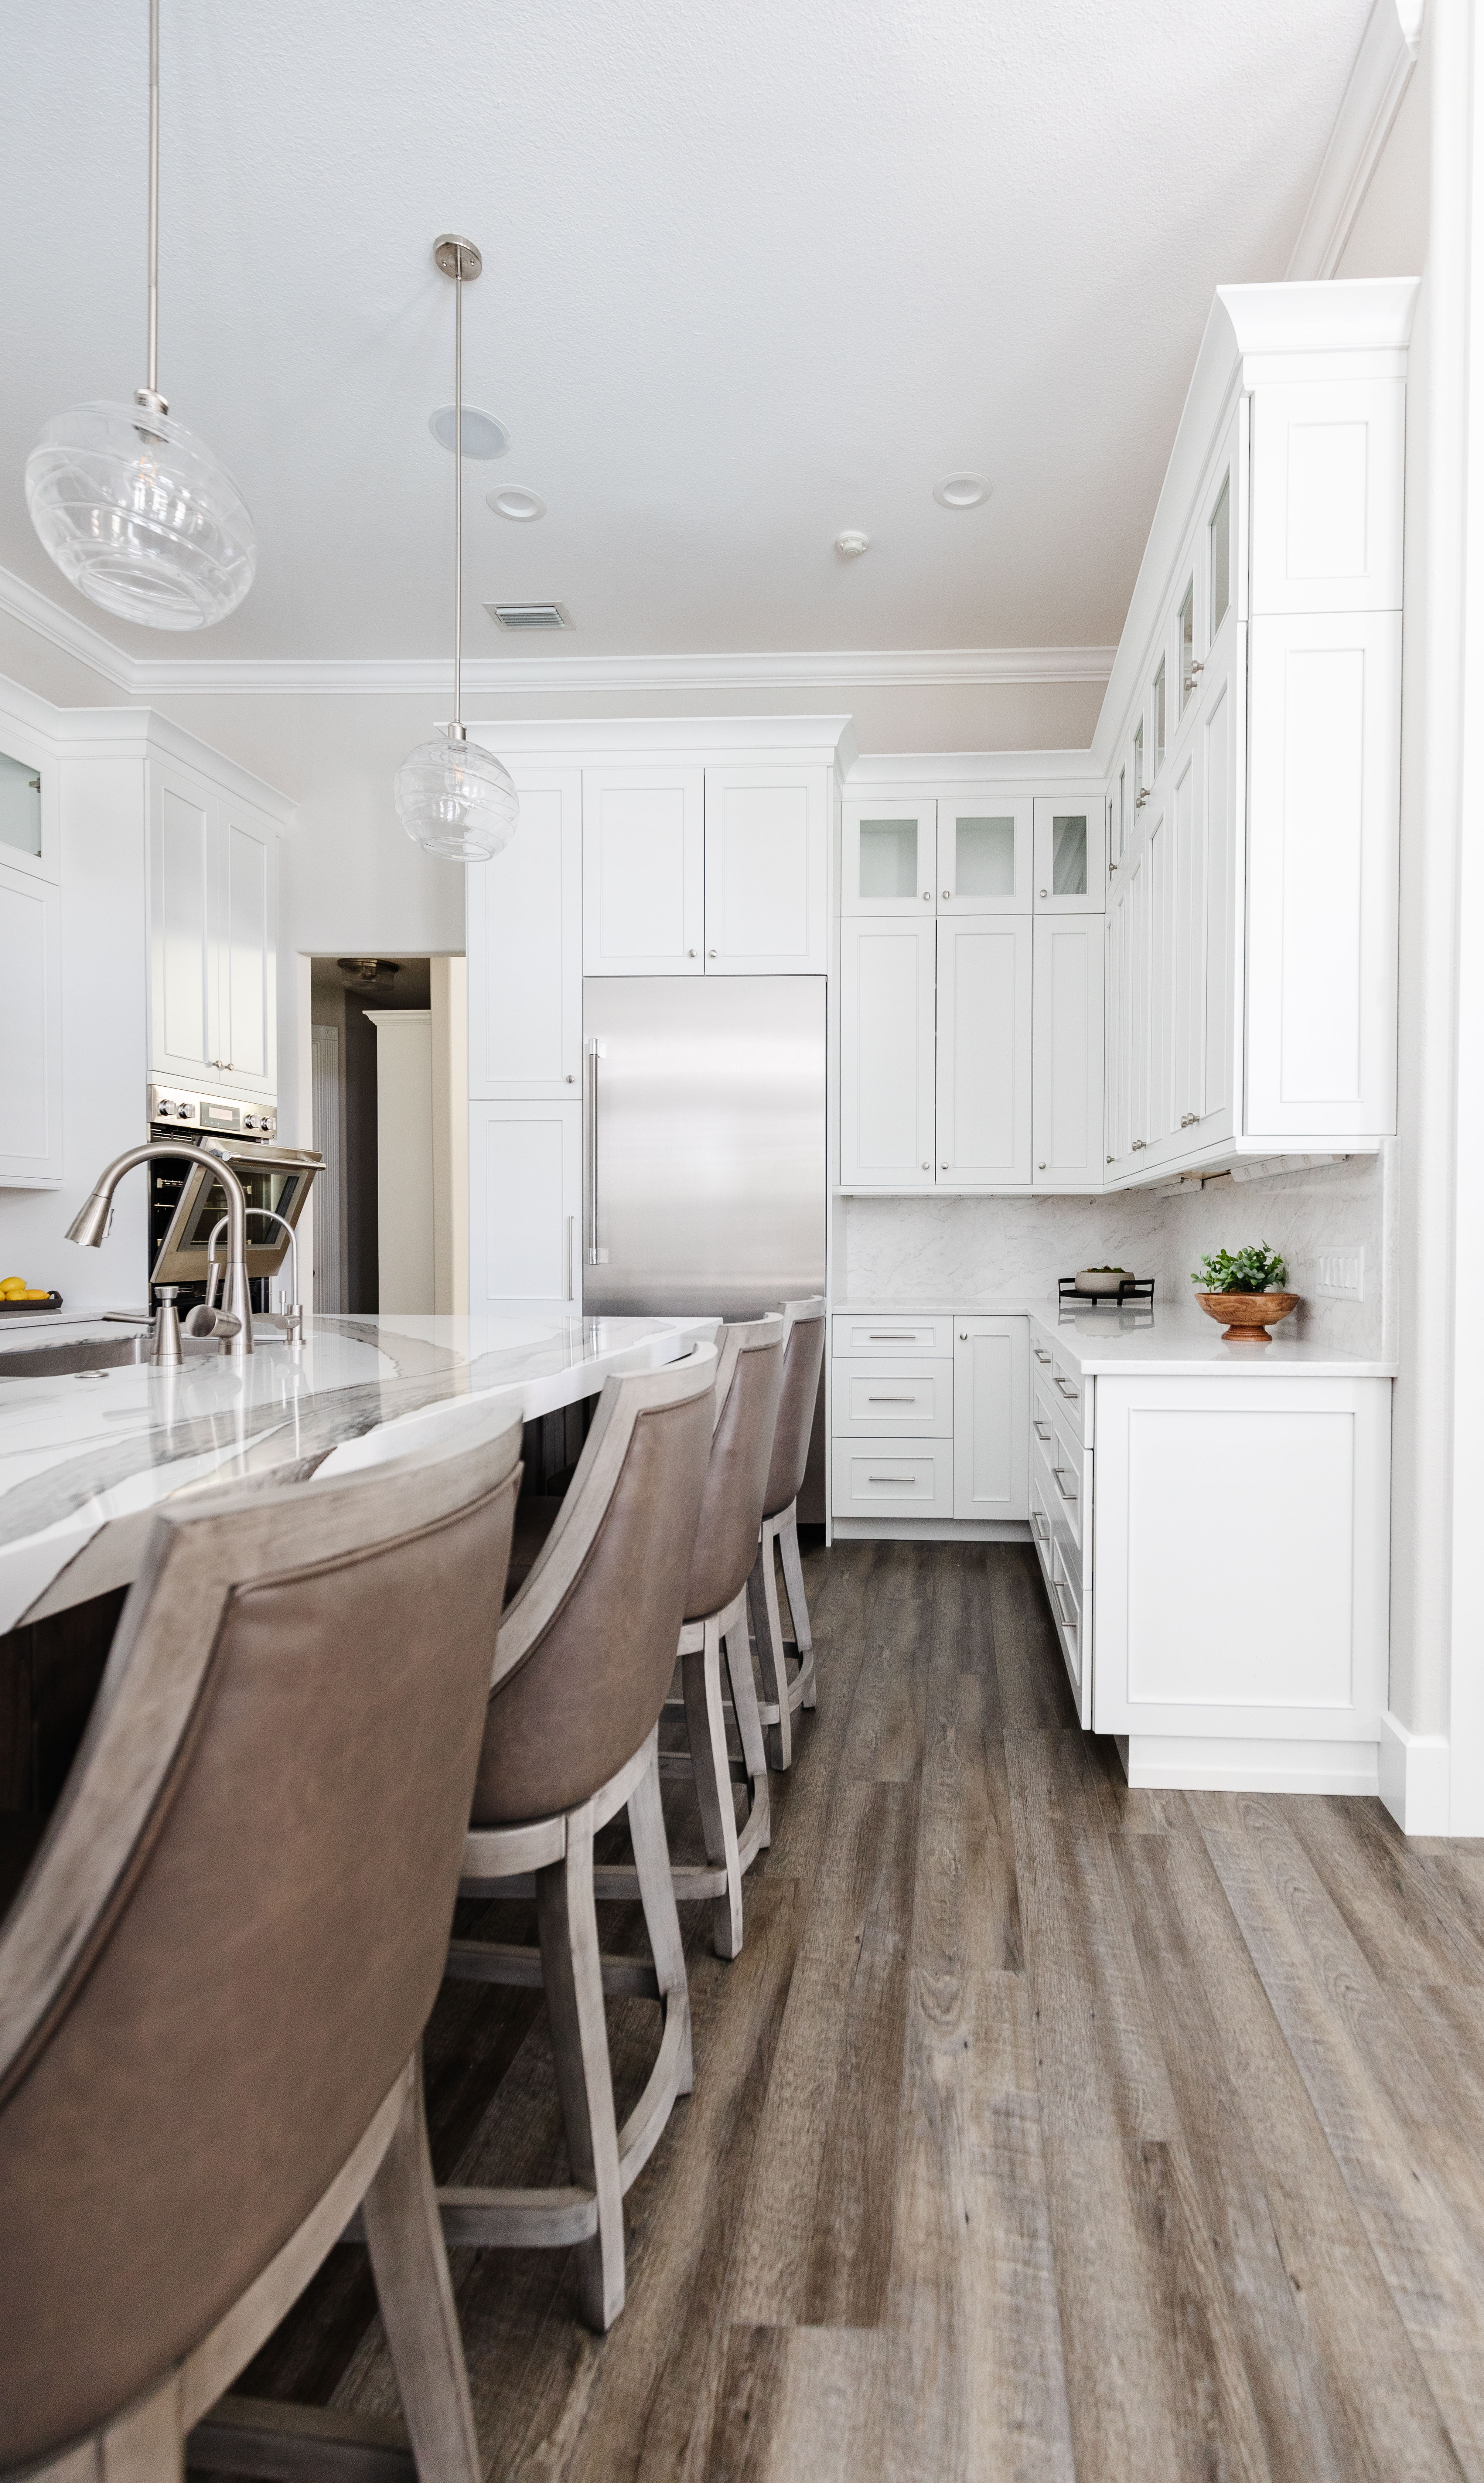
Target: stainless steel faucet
pixel 91 1223
pixel 292 1309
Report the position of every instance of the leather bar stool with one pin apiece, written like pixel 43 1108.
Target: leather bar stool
pixel 803 1353
pixel 749 1376
pixel 214 1980
pixel 585 1656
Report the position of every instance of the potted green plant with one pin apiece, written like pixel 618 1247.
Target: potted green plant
pixel 1245 1288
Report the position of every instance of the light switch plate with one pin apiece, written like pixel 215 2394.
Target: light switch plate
pixel 1342 1274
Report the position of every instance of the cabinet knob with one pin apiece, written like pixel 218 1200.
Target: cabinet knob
pixel 1107 1159
pixel 963 1336
pixel 710 953
pixel 1040 1167
pixel 947 891
pixel 945 1165
pixel 690 952
pixel 1043 892
pixel 1188 1120
pixel 927 896
pixel 927 1167
pixel 1137 1144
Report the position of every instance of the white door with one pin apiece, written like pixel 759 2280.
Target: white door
pixel 524 927
pixel 887 1054
pixel 1067 1052
pixel 984 855
pixel 525 1205
pixel 767 849
pixel 643 870
pixel 887 856
pixel 1070 853
pixel 991 1419
pixel 183 1029
pixel 983 1050
pixel 247 847
pixel 30 1034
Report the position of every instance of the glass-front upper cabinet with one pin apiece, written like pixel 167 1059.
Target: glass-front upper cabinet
pixel 20 806
pixel 30 840
pixel 1070 847
pixel 887 856
pixel 1219 551
pixel 984 854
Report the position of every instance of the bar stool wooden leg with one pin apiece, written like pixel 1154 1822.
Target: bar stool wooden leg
pixel 405 2241
pixel 767 1628
pixel 736 1639
pixel 798 1606
pixel 571 1973
pixel 656 1889
pixel 707 1726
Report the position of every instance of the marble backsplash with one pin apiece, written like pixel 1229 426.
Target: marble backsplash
pixel 910 1251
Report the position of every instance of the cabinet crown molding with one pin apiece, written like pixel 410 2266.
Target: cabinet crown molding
pixel 829 741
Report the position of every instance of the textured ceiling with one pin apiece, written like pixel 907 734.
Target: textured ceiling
pixel 752 274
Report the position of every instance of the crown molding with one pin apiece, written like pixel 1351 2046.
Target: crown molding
pixel 520 675
pixel 1367 108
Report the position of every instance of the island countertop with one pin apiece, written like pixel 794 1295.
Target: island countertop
pixel 87 1457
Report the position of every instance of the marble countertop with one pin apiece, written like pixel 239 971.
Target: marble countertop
pixel 87 1457
pixel 1154 1346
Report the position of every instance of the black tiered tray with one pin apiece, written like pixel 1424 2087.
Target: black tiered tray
pixel 1137 1292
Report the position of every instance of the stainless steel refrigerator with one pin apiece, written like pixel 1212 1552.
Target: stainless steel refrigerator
pixel 704 1169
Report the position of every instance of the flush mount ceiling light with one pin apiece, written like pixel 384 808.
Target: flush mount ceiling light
pixel 455 801
pixel 135 510
pixel 852 543
pixel 523 506
pixel 960 491
pixel 484 434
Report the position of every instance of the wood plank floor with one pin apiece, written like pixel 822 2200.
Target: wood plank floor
pixel 1042 2129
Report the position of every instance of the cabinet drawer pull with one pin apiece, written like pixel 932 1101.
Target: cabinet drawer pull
pixel 1040 1429
pixel 1059 1472
pixel 906 1477
pixel 1041 1525
pixel 1137 1144
pixel 892 1401
pixel 1067 1389
pixel 1069 1619
pixel 891 1336
pixel 1038 1354
pixel 1188 1120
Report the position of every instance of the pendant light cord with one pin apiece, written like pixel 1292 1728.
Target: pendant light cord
pixel 153 349
pixel 457 732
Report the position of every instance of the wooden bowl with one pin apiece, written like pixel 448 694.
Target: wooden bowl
pixel 1247 1314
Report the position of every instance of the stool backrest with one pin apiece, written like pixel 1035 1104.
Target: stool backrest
pixel 230 1938
pixel 804 1356
pixel 588 1646
pixel 748 1377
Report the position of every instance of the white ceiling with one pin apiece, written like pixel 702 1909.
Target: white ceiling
pixel 752 274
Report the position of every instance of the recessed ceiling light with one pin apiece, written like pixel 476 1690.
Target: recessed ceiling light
pixel 530 616
pixel 852 543
pixel 512 502
pixel 960 491
pixel 483 436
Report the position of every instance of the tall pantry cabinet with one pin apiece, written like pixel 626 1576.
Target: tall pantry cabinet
pixel 674 846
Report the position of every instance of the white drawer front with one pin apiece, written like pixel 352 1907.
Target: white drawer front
pixel 893 1477
pixel 1069 1393
pixel 893 1333
pixel 914 1399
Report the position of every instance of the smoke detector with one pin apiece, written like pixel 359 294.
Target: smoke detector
pixel 852 543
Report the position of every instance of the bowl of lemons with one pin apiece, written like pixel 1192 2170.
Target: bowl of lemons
pixel 17 1294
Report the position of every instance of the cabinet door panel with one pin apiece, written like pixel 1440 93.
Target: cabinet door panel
pixel 525 934
pixel 1067 1052
pixel 1220 756
pixel 991 1419
pixel 29 1033
pixel 983 1050
pixel 1321 875
pixel 182 980
pixel 766 844
pixel 246 968
pixel 1187 855
pixel 1159 1117
pixel 1326 497
pixel 525 1203
pixel 887 1054
pixel 1070 853
pixel 642 866
pixel 887 855
pixel 984 854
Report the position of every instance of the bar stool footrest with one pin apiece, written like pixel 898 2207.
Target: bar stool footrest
pixel 291 2443
pixel 507 1962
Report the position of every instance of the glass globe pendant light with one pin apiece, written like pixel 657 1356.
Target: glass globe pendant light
pixel 135 510
pixel 454 800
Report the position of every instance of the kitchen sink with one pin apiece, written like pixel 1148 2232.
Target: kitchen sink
pixel 56 1359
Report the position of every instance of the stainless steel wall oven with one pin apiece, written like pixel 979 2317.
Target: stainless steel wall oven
pixel 186 1198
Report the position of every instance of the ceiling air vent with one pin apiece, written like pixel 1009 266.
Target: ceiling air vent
pixel 530 616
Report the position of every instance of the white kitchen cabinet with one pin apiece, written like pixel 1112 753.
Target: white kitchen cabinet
pixel 895 1396
pixel 891 1478
pixel 766 870
pixel 886 1054
pixel 30 1032
pixel 887 855
pixel 1070 853
pixel 213 935
pixel 644 870
pixel 524 939
pixel 984 853
pixel 1067 1148
pixel 525 1208
pixel 983 1050
pixel 990 1399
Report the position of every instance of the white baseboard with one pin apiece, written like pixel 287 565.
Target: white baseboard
pixel 1192 1763
pixel 1415 1778
pixel 931 1529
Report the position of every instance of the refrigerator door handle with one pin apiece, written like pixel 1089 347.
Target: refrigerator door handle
pixel 596 1258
